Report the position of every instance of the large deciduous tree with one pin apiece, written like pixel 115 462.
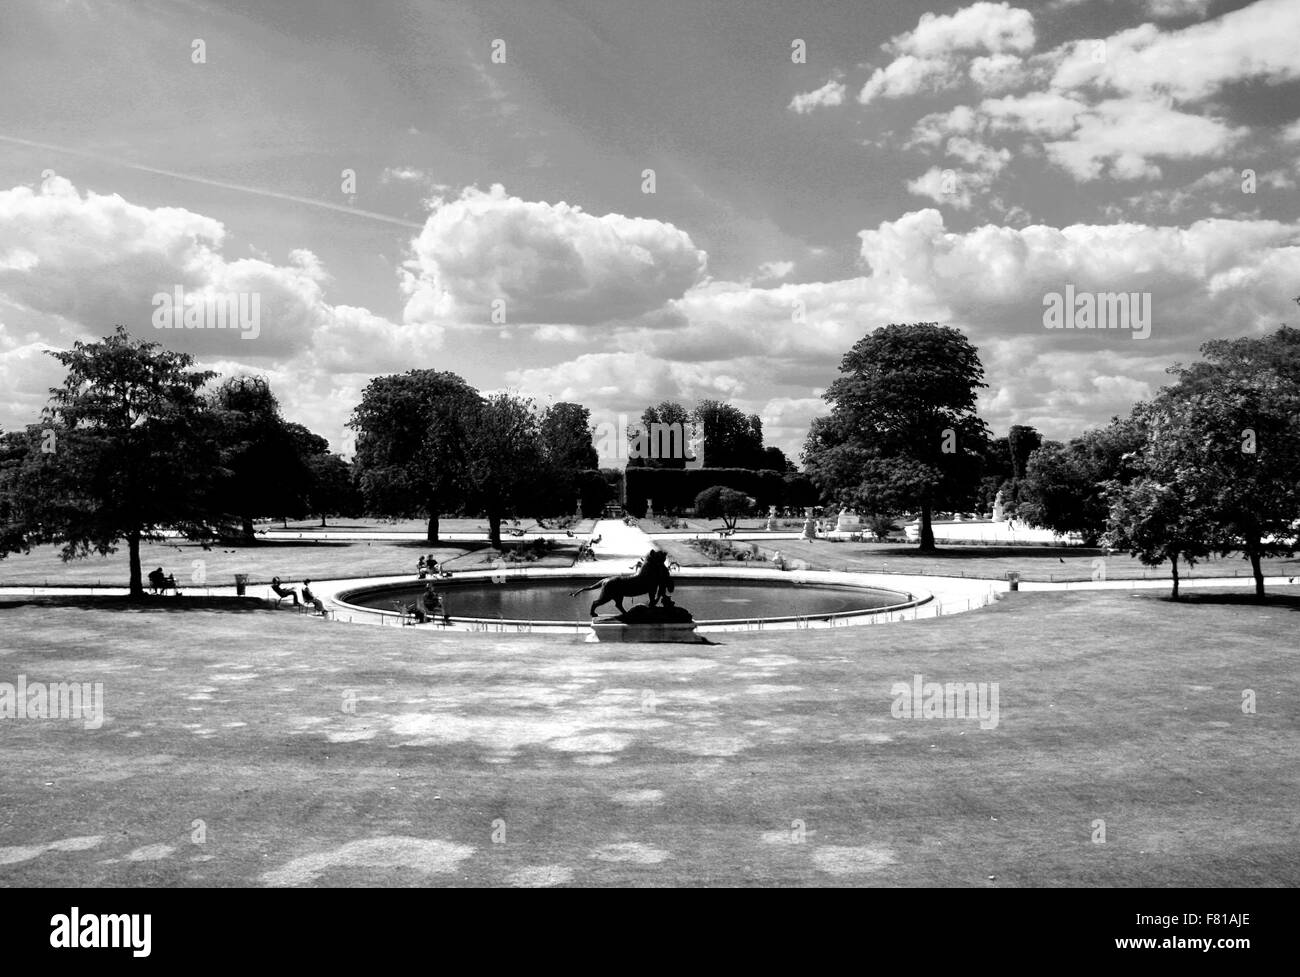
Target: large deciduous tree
pixel 412 437
pixel 1230 428
pixel 567 449
pixel 1065 486
pixel 732 439
pixel 660 438
pixel 264 457
pixel 720 502
pixel 1149 519
pixel 126 449
pixel 504 457
pixel 902 432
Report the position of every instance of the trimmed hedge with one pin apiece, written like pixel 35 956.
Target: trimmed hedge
pixel 675 489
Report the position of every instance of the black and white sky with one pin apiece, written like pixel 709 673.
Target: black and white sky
pixel 922 162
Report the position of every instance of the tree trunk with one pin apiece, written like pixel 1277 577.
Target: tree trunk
pixel 322 520
pixel 432 534
pixel 137 580
pixel 1258 573
pixel 494 530
pixel 927 531
pixel 1173 568
pixel 246 527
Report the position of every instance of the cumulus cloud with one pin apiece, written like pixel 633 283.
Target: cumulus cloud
pixel 775 269
pixel 1252 43
pixel 998 73
pixel 85 262
pixel 908 75
pixel 831 93
pixel 402 174
pixel 73 265
pixel 958 186
pixel 932 129
pixel 1210 278
pixel 1117 107
pixel 935 55
pixel 548 263
pixel 1177 8
pixel 1039 113
pixel 1123 136
pixel 986 27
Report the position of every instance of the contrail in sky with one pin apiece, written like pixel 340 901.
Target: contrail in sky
pixel 240 188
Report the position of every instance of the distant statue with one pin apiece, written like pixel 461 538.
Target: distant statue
pixel 652 579
pixel 848 522
pixel 999 511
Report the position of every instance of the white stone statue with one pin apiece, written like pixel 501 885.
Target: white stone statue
pixel 999 514
pixel 649 508
pixel 848 522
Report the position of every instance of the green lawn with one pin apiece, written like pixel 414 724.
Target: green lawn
pixel 342 524
pixel 1038 563
pixel 769 758
pixel 289 560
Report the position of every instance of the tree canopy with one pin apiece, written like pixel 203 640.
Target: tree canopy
pixel 902 432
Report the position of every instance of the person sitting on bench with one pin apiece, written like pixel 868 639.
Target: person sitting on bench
pixel 282 592
pixel 434 606
pixel 422 568
pixel 158 583
pixel 429 605
pixel 311 599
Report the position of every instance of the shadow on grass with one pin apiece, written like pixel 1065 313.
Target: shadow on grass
pixel 117 602
pixel 985 552
pixel 1271 600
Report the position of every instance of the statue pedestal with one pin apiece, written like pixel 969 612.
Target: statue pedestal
pixel 652 624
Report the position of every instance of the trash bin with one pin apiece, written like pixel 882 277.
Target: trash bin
pixel 1014 577
pixel 241 583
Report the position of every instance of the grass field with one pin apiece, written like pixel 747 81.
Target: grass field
pixel 267 748
pixel 1037 563
pixel 289 560
pixel 325 560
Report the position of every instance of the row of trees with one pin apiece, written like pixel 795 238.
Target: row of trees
pixel 675 490
pixel 732 439
pixel 1210 465
pixel 428 444
pixel 136 442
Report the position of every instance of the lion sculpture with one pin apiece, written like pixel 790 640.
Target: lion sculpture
pixel 652 579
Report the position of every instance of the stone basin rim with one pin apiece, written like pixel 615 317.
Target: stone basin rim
pixel 876 583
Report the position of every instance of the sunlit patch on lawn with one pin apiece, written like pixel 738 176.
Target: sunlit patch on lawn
pixel 852 861
pixel 630 851
pixel 426 856
pixel 592 743
pixel 595 759
pixel 151 853
pixel 874 738
pixel 25 853
pixel 540 876
pixel 769 661
pixel 635 798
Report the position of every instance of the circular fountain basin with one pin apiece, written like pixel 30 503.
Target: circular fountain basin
pixel 719 600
